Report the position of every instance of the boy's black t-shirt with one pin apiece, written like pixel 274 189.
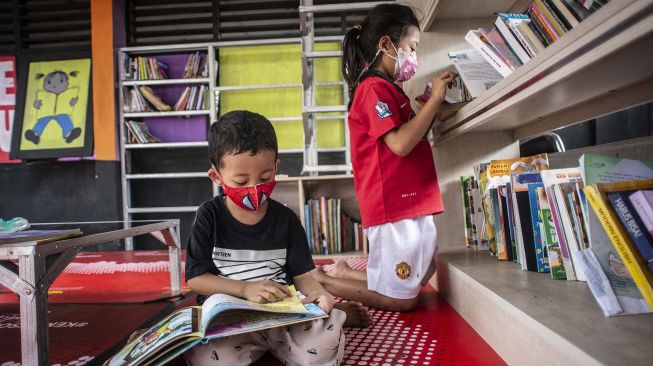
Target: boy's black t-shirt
pixel 275 248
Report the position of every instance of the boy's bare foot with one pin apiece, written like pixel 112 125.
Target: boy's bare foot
pixel 357 315
pixel 319 274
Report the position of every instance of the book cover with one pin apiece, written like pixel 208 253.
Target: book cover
pixel 505 221
pixel 476 40
pixel 523 220
pixel 471 213
pixel 220 316
pixel 626 264
pixel 542 265
pixel 633 225
pixel 38 236
pixel 467 225
pixel 550 238
pixel 551 178
pixel 642 203
pixel 480 171
pixel 511 222
pixel 500 240
pixel 479 216
pixel 510 38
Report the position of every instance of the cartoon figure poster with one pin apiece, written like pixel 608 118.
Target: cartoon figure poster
pixel 7 105
pixel 55 110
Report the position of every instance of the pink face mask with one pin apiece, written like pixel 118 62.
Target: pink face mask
pixel 250 197
pixel 406 65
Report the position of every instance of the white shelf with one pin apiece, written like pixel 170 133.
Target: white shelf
pixel 167 145
pixel 164 82
pixel 528 317
pixel 166 114
pixel 601 66
pixel 167 175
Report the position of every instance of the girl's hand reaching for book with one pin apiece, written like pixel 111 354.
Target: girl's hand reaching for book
pixel 323 299
pixel 265 291
pixel 441 83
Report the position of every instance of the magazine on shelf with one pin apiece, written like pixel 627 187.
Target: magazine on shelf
pixel 476 73
pixel 220 316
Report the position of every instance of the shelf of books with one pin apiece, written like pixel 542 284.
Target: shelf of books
pixel 554 64
pixel 328 210
pixel 592 223
pixel 165 107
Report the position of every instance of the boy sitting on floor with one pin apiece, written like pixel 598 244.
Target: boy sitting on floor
pixel 245 244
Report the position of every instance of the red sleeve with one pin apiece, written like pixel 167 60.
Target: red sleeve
pixel 380 110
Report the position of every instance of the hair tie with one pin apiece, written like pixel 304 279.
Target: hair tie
pixel 358 26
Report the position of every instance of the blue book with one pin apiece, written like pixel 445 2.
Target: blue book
pixel 633 225
pixel 307 225
pixel 537 225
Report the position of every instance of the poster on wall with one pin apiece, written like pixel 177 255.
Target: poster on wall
pixel 54 109
pixel 7 105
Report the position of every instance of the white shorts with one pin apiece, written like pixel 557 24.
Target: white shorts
pixel 401 256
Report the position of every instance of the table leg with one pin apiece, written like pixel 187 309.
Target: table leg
pixel 33 338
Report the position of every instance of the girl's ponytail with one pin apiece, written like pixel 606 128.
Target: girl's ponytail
pixel 353 60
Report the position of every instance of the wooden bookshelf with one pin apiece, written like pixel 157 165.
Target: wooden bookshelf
pixel 601 66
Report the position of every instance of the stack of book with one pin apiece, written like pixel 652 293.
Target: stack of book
pixel 142 99
pixel 515 38
pixel 143 68
pixel 590 223
pixel 193 98
pixel 139 133
pixel 196 66
pixel 329 230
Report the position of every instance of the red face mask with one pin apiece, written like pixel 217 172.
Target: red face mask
pixel 249 197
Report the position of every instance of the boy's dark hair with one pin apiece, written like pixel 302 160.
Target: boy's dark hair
pixel 359 44
pixel 237 132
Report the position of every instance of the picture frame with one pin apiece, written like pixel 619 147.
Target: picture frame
pixel 54 106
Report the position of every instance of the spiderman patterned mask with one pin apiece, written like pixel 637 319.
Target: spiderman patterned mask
pixel 250 197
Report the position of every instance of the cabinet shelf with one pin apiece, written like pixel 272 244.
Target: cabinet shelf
pixel 572 80
pixel 166 114
pixel 165 82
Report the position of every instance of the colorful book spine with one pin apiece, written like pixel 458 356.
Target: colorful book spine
pixel 537 226
pixel 550 238
pixel 644 209
pixel 544 22
pixel 500 239
pixel 565 255
pixel 538 28
pixel 511 39
pixel 307 225
pixel 501 49
pixel 626 250
pixel 633 225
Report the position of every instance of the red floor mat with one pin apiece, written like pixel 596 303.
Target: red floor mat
pixel 78 333
pixel 92 277
pixel 432 334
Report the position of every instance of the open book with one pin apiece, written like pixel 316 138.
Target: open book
pixel 220 316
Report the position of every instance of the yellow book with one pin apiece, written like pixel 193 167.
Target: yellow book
pixel 624 246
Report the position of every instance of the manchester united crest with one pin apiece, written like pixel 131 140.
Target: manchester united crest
pixel 402 270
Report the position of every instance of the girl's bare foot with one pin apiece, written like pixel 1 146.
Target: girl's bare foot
pixel 357 315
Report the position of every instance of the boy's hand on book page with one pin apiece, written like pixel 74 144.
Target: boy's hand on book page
pixel 440 84
pixel 265 291
pixel 323 299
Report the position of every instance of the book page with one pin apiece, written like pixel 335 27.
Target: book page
pixel 477 74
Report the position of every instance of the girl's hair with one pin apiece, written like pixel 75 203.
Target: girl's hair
pixel 359 44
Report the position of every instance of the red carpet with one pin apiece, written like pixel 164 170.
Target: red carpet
pixel 78 333
pixel 432 334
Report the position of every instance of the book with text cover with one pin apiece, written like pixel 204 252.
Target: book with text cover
pixel 500 47
pixel 633 224
pixel 502 24
pixel 642 202
pixel 550 237
pixel 476 73
pixel 220 316
pixel 626 271
pixel 523 221
pixel 538 228
pixel 476 40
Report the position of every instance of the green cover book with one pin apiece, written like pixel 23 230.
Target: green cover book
pixel 550 238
